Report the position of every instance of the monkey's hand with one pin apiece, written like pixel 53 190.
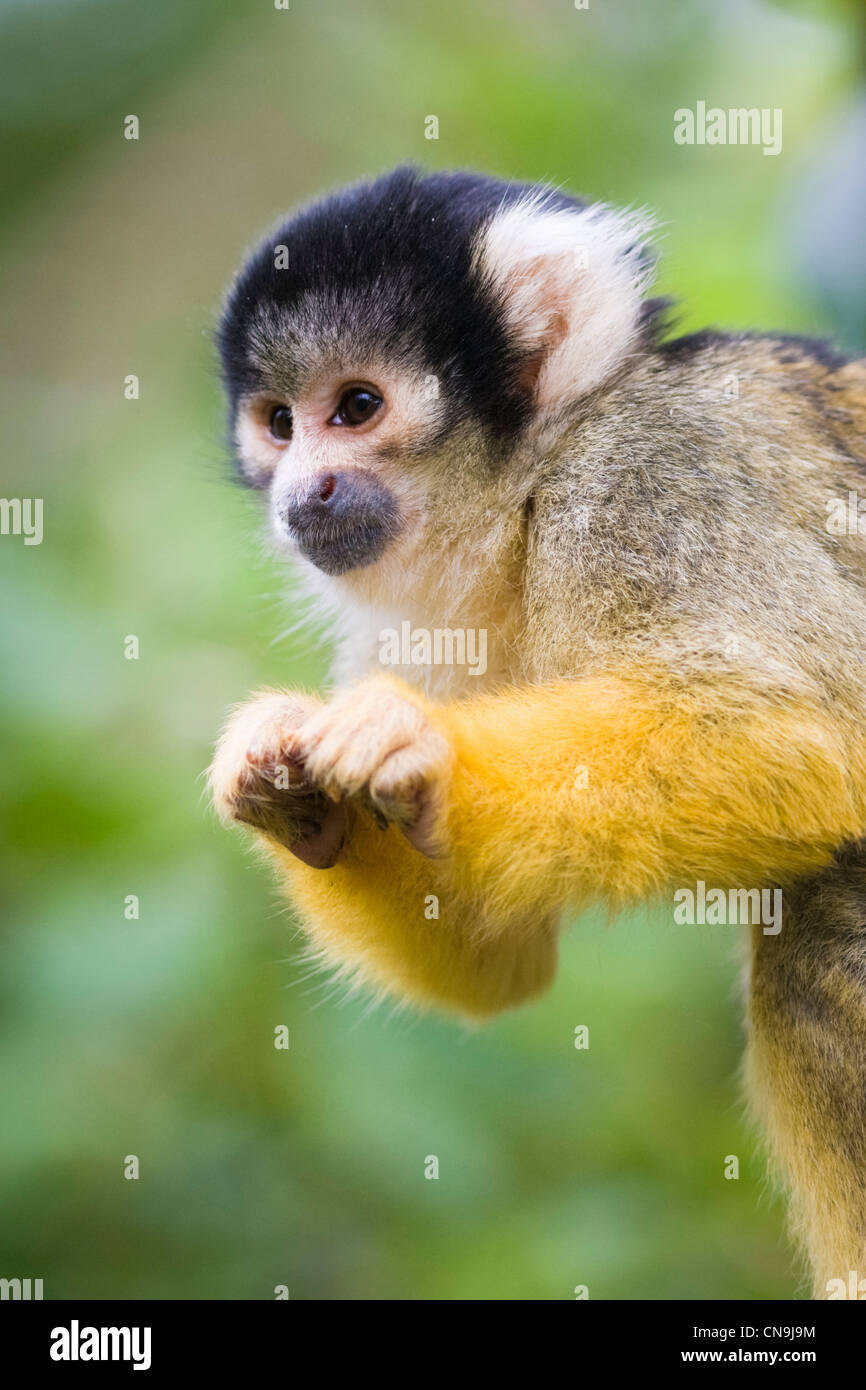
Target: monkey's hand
pixel 375 745
pixel 396 917
pixel 375 758
pixel 256 778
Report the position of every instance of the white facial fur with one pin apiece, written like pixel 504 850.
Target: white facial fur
pixel 572 284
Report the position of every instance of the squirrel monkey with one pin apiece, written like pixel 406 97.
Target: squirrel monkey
pixel 460 405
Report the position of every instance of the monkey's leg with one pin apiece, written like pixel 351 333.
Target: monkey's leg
pixel 807 1062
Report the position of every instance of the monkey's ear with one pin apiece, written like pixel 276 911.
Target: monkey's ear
pixel 571 282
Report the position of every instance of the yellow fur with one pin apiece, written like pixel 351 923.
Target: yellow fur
pixel 618 787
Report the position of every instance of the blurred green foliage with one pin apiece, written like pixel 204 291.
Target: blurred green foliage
pixel 259 1167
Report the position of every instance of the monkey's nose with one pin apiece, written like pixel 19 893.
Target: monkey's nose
pixel 345 520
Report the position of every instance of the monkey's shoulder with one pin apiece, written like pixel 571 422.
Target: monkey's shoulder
pixel 786 377
pixel 721 419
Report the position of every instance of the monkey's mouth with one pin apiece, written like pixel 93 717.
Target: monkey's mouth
pixel 346 521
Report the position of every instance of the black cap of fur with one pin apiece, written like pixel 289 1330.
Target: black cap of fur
pixel 387 266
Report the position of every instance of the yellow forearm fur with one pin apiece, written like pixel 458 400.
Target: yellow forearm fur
pixel 618 787
pixel 623 786
pixel 374 912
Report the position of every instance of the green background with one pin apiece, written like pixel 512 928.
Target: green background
pixel 154 1037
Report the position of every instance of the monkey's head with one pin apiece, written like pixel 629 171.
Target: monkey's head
pixel 396 355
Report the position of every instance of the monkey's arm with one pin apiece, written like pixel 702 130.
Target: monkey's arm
pixel 622 785
pixel 616 787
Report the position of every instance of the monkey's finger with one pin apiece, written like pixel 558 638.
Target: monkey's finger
pixel 409 791
pixel 321 846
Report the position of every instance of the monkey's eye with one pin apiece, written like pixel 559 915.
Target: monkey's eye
pixel 280 423
pixel 357 406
